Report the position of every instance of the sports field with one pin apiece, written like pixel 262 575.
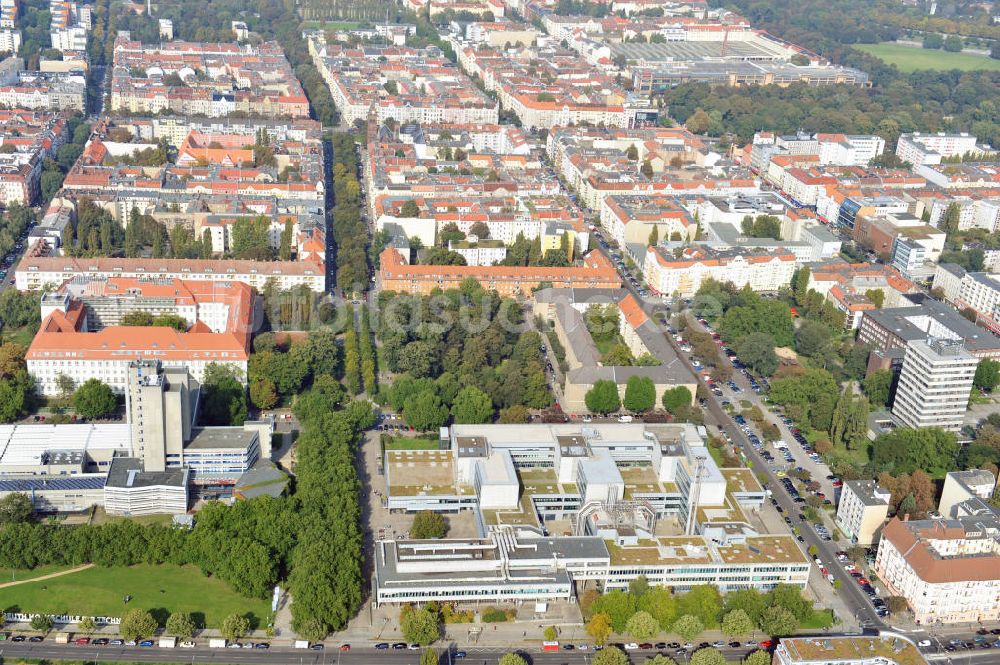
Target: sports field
pixel 912 58
pixel 160 589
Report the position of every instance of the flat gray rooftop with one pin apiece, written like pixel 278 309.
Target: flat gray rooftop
pixel 127 472
pixel 220 437
pixel 680 51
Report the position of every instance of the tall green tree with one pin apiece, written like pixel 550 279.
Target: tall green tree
pixel 987 374
pixel 736 623
pixel 676 398
pixel 94 399
pixel 420 626
pixel 235 626
pixel 756 350
pixel 137 624
pixel 688 626
pixel 472 406
pixel 424 411
pixel 877 387
pixel 603 397
pixel 641 626
pixel 180 624
pixel 640 394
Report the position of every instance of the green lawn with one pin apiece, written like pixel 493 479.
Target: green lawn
pixel 912 58
pixel 821 618
pixel 606 344
pixel 161 589
pixel 411 443
pixel 18 574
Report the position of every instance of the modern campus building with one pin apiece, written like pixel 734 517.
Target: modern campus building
pixel 934 384
pixel 508 567
pixel 847 650
pixel 152 463
pixel 862 510
pixel 628 499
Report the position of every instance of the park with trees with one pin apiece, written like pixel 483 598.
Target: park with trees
pixel 445 372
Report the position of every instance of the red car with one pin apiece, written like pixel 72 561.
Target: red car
pixel 82 640
pixel 863 582
pixel 766 644
pixel 345 647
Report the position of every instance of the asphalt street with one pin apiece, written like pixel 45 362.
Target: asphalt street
pixel 289 656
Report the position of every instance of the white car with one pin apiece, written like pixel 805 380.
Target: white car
pixel 187 645
pixel 924 643
pixel 631 646
pixel 624 419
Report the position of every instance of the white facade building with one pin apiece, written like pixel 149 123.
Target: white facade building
pixel 919 149
pixel 934 384
pixel 862 510
pixel 947 570
pixel 764 272
pixel 34 273
pixel 974 213
pixel 10 40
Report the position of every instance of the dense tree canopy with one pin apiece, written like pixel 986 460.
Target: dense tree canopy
pixel 904 450
pixel 461 338
pixel 603 397
pixel 94 399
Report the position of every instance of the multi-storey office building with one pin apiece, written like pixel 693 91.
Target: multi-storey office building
pixel 934 384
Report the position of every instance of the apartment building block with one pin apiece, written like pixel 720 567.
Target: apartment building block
pixel 919 149
pixel 632 219
pixel 402 83
pixel 848 286
pixel 962 486
pixel 213 80
pixel 948 570
pixel 977 208
pixel 862 510
pixel 10 40
pixel 36 272
pixel 40 90
pixel 28 138
pixel 549 86
pixel 682 276
pixel 395 274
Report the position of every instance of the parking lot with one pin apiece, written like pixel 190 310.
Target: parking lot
pixel 792 448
